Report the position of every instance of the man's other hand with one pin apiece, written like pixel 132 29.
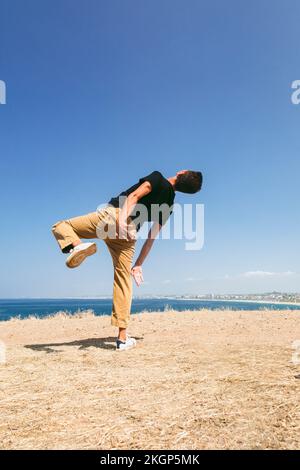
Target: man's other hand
pixel 137 274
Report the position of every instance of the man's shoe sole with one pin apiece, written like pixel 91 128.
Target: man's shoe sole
pixel 76 258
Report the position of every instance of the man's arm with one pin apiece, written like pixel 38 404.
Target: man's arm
pixel 136 271
pixel 129 205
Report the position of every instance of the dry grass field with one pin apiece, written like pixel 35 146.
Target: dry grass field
pixel 196 380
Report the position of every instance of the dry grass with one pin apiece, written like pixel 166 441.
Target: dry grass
pixel 197 380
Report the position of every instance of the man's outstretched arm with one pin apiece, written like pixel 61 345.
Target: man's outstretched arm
pixel 136 271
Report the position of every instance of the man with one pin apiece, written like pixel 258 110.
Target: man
pixel 151 199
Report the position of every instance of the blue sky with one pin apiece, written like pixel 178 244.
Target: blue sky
pixel 100 93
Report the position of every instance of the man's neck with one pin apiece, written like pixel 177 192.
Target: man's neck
pixel 172 180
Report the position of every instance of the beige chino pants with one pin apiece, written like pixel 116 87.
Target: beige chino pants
pixel 87 227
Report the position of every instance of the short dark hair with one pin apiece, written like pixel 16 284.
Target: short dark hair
pixel 189 182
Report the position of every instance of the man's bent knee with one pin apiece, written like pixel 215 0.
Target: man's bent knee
pixel 54 226
pixel 62 236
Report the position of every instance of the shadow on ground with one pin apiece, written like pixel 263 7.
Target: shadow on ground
pixel 104 343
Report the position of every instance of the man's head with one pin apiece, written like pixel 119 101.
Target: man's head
pixel 188 181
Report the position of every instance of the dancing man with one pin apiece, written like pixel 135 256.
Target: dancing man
pixel 151 199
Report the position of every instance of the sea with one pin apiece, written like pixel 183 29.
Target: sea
pixel 23 308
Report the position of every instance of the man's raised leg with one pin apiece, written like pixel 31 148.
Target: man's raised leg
pixel 68 234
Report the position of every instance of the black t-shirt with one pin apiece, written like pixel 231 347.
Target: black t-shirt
pixel 156 206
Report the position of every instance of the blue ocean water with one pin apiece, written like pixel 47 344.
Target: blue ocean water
pixel 23 308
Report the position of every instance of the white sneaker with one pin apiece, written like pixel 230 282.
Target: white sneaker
pixel 79 253
pixel 128 344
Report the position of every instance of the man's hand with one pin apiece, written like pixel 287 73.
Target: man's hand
pixel 126 231
pixel 137 274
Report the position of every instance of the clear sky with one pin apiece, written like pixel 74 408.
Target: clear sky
pixel 100 93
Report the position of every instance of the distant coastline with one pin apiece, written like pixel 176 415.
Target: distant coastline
pixel 205 299
pixel 159 297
